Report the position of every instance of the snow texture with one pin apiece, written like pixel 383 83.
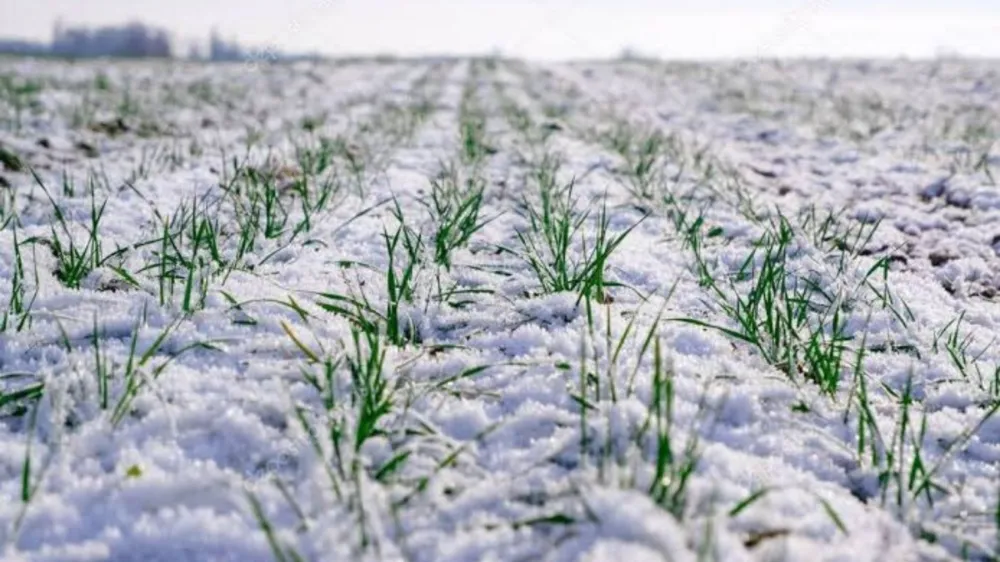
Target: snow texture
pixel 496 467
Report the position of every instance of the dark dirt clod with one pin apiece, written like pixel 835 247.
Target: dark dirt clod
pixel 88 149
pixel 938 259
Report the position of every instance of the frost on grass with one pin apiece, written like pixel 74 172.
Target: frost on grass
pixel 486 309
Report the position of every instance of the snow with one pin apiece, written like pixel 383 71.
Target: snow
pixel 495 468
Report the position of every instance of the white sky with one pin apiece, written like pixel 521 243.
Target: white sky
pixel 551 28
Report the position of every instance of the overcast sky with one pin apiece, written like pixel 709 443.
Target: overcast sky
pixel 551 29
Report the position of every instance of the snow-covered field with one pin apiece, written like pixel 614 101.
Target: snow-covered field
pixel 493 310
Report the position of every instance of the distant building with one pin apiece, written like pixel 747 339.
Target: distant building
pixel 138 40
pixel 221 50
pixel 23 48
pixel 130 40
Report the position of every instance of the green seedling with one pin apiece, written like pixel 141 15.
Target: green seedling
pixel 400 290
pixel 73 262
pixel 455 210
pixel 556 235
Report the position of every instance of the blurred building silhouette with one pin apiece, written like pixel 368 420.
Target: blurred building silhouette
pixel 133 39
pixel 221 50
pixel 24 48
pixel 137 40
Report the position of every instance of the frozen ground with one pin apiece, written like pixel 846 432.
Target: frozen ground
pixel 760 326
